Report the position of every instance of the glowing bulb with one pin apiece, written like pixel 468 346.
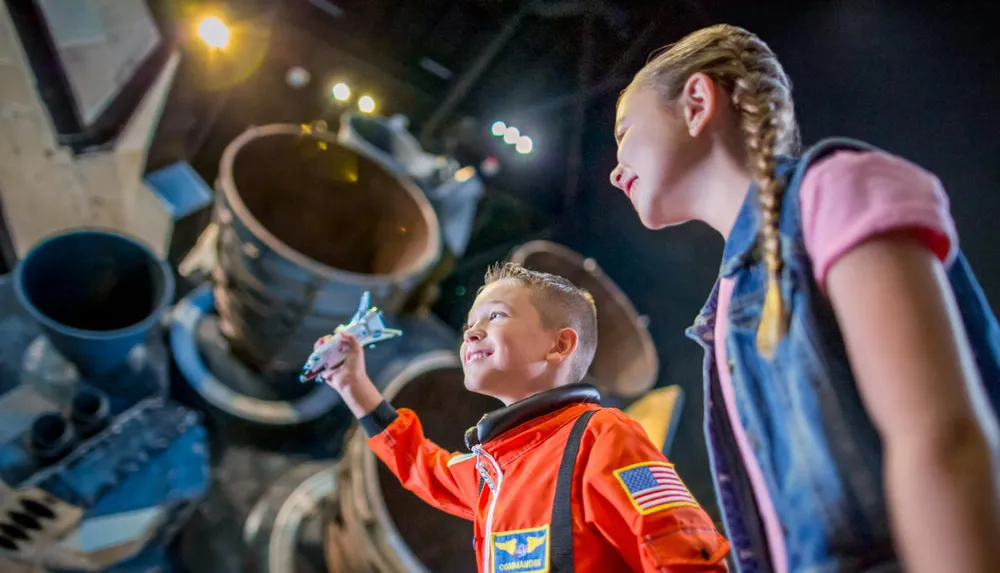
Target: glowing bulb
pixel 524 145
pixel 341 91
pixel 498 128
pixel 490 166
pixel 366 104
pixel 298 77
pixel 465 173
pixel 510 135
pixel 214 32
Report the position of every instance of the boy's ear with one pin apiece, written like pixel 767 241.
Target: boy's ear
pixel 565 345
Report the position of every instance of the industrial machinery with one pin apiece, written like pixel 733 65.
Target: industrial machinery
pixel 454 191
pixel 307 225
pixel 98 470
pixel 302 227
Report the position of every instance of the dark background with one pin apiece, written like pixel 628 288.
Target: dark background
pixel 916 78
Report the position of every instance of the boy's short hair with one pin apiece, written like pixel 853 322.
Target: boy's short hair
pixel 560 304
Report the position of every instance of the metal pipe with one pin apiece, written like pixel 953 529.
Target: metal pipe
pixel 90 411
pixel 51 437
pixel 470 76
pixel 612 16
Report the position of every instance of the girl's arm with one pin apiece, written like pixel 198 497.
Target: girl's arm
pixel 916 374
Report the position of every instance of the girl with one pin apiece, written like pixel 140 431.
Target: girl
pixel 852 363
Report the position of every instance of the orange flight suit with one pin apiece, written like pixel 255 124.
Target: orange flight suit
pixel 625 509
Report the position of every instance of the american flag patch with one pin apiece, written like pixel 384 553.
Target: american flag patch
pixel 653 486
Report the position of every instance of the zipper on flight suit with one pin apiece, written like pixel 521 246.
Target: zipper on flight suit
pixel 494 495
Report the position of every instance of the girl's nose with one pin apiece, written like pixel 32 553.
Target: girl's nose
pixel 617 176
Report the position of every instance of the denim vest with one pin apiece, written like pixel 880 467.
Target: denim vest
pixel 817 448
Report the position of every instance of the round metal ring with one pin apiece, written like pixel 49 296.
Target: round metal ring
pixel 184 324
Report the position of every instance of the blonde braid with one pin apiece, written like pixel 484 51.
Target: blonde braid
pixel 757 95
pixel 743 65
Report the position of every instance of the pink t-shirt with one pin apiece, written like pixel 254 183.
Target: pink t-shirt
pixel 846 199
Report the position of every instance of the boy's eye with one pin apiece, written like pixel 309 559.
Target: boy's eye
pixel 492 315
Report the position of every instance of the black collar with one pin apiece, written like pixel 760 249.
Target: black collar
pixel 499 421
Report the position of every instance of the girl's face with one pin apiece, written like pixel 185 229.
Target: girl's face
pixel 656 158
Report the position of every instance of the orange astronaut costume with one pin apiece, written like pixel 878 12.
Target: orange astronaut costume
pixel 555 483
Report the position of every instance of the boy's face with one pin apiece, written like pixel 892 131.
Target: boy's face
pixel 505 347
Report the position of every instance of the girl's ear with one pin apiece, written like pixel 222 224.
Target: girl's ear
pixel 698 100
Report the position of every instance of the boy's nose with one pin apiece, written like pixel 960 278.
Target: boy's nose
pixel 473 334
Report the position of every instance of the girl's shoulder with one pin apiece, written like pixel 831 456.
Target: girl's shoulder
pixel 860 168
pixel 849 196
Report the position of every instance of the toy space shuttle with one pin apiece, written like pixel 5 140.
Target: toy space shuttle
pixel 366 325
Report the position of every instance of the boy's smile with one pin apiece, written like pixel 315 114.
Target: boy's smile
pixel 475 355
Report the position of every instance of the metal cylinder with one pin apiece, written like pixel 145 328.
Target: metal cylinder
pixel 305 226
pixel 379 526
pixel 278 534
pixel 51 437
pixel 95 294
pixel 90 410
pixel 625 363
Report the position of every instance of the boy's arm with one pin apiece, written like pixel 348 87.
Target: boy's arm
pixel 397 438
pixel 434 474
pixel 632 495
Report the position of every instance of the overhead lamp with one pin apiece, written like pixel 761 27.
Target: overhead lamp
pixel 510 135
pixel 214 32
pixel 341 91
pixel 366 104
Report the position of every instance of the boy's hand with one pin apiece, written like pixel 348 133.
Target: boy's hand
pixel 350 379
pixel 348 372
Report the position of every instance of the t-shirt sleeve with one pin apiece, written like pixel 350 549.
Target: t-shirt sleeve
pixel 851 197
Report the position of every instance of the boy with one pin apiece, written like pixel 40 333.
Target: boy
pixel 554 482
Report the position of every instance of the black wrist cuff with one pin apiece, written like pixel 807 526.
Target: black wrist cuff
pixel 376 421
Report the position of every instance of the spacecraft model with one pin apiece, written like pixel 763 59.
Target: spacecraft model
pixel 366 325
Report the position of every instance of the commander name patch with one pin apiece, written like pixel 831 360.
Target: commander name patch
pixel 521 551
